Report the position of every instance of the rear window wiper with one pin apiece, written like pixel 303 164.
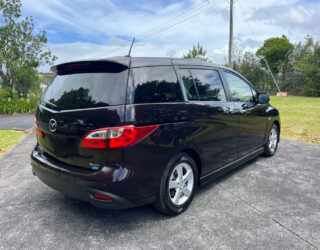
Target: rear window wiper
pixel 50 104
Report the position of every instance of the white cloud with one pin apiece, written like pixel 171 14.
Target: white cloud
pixel 114 41
pixel 114 22
pixel 301 19
pixel 86 51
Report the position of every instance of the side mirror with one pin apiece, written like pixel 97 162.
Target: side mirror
pixel 263 98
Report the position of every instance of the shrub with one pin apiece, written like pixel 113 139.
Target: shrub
pixel 22 105
pixel 7 107
pixel 5 93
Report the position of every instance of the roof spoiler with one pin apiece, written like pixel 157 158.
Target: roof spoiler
pixel 89 67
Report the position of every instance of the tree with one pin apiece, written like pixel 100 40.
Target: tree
pixel 21 49
pixel 299 66
pixel 277 52
pixel 250 67
pixel 309 66
pixel 29 81
pixel 197 53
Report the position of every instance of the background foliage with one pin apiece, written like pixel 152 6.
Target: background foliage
pixel 197 52
pixel 296 67
pixel 22 51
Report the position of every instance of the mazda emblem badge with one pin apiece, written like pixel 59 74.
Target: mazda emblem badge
pixel 52 125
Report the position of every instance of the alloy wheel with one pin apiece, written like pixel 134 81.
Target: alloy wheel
pixel 181 184
pixel 273 140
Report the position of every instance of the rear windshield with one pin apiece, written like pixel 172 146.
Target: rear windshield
pixel 86 90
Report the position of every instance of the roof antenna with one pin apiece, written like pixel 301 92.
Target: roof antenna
pixel 131 47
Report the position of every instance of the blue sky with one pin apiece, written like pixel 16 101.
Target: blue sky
pixel 84 29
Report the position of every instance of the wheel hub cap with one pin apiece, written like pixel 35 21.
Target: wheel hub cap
pixel 181 184
pixel 273 140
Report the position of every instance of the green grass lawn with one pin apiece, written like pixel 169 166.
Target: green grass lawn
pixel 8 138
pixel 300 117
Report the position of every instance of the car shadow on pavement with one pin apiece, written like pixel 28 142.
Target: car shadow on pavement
pixel 208 187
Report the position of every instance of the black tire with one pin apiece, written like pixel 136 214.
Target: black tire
pixel 164 204
pixel 268 149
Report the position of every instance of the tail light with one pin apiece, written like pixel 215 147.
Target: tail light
pixel 36 128
pixel 117 137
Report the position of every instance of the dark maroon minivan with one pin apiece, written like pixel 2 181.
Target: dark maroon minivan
pixel 124 132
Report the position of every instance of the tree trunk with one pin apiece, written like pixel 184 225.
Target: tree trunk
pixel 283 76
pixel 5 79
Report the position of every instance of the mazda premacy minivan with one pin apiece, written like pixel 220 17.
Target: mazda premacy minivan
pixel 124 132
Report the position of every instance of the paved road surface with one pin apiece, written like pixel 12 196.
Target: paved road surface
pixel 16 121
pixel 270 203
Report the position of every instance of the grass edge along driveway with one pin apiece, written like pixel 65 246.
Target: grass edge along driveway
pixel 8 138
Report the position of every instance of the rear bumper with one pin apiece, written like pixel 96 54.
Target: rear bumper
pixel 83 184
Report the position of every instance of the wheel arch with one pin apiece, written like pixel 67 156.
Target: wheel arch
pixel 196 157
pixel 277 123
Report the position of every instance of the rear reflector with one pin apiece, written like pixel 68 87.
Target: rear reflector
pixel 102 197
pixel 36 128
pixel 116 137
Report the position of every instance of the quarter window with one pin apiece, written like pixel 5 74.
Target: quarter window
pixel 188 84
pixel 155 84
pixel 209 85
pixel 240 90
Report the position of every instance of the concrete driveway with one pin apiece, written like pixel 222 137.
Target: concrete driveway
pixel 269 203
pixel 23 122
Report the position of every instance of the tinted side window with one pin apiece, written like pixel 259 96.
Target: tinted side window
pixel 155 84
pixel 188 84
pixel 240 90
pixel 209 85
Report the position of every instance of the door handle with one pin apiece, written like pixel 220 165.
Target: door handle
pixel 241 111
pixel 228 109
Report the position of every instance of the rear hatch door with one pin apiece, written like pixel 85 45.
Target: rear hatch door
pixel 82 97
